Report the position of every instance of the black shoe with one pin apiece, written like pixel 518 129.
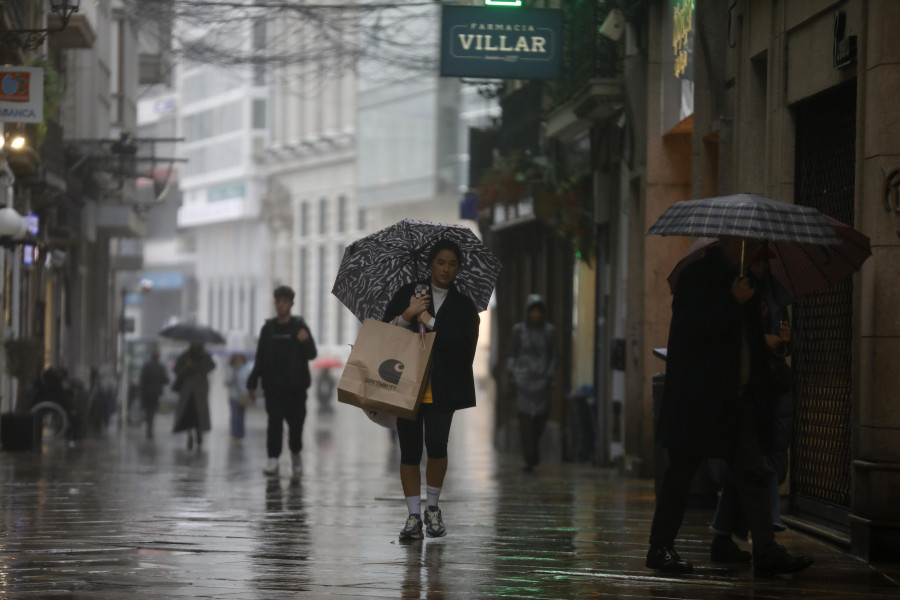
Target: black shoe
pixel 779 561
pixel 724 549
pixel 667 560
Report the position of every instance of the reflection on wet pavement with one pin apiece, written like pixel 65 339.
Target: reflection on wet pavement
pixel 122 517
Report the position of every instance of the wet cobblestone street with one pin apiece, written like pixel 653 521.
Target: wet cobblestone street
pixel 124 517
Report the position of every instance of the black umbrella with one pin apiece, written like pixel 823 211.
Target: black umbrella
pixel 195 334
pixel 376 266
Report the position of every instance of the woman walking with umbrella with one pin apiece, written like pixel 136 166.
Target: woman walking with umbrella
pixel 435 304
pixel 191 382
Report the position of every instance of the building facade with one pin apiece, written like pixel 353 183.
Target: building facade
pixel 699 99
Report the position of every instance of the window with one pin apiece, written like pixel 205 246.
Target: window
pixel 209 304
pixel 221 315
pixel 361 219
pixel 259 114
pixel 241 304
pixel 252 314
pixel 323 216
pixel 304 219
pixel 259 34
pixel 339 312
pixel 341 218
pixel 301 293
pixel 320 286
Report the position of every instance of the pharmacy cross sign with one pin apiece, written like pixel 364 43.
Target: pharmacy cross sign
pixel 501 44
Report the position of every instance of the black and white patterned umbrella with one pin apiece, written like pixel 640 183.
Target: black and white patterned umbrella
pixel 376 266
pixel 746 216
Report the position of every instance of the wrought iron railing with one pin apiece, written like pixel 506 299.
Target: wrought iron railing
pixel 586 53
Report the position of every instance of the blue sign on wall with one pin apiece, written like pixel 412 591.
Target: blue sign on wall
pixel 501 43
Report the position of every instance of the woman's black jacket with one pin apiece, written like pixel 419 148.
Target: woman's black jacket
pixel 456 325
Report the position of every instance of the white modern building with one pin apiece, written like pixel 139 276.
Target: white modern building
pixel 223 115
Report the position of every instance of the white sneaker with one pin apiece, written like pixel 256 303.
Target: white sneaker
pixel 296 464
pixel 271 467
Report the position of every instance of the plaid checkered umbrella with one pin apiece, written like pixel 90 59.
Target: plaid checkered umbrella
pixel 746 216
pixel 800 268
pixel 376 266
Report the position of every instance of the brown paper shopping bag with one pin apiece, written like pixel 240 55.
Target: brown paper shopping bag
pixel 387 369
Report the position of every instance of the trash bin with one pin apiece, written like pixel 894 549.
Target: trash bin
pixel 18 431
pixel 704 491
pixel 582 424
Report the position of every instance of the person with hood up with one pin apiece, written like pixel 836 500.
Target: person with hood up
pixel 531 364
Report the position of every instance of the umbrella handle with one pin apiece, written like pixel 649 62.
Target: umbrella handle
pixel 743 245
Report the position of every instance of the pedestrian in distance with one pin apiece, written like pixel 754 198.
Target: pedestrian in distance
pixel 238 396
pixel 192 368
pixel 283 352
pixel 152 381
pixel 775 318
pixel 438 306
pixel 531 365
pixel 324 390
pixel 716 403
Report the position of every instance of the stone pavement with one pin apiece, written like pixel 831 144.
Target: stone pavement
pixel 123 517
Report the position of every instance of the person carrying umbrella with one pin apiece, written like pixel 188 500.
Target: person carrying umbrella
pixel 283 353
pixel 192 384
pixel 716 403
pixel 441 308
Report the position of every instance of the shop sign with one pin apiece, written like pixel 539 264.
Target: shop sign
pixel 501 43
pixel 21 94
pixel 844 46
pixel 677 64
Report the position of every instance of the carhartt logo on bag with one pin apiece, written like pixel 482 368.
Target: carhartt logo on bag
pixel 391 370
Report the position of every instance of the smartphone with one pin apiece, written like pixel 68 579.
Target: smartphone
pixel 421 290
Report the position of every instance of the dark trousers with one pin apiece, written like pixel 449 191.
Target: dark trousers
pixel 748 467
pixel 531 428
pixel 430 429
pixel 281 406
pixel 149 414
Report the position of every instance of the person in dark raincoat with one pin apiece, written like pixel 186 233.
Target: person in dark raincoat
pixel 153 379
pixel 531 364
pixel 716 403
pixel 191 380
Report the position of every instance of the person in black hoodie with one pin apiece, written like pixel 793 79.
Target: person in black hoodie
pixel 454 318
pixel 283 352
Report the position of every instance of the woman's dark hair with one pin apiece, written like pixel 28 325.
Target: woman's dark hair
pixel 443 244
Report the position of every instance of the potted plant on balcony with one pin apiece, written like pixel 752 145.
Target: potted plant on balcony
pixel 508 181
pixel 568 209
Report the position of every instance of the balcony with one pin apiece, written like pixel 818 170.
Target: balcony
pixel 79 33
pixel 120 220
pixel 591 87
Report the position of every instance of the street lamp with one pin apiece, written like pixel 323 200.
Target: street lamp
pixel 12 224
pixel 31 39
